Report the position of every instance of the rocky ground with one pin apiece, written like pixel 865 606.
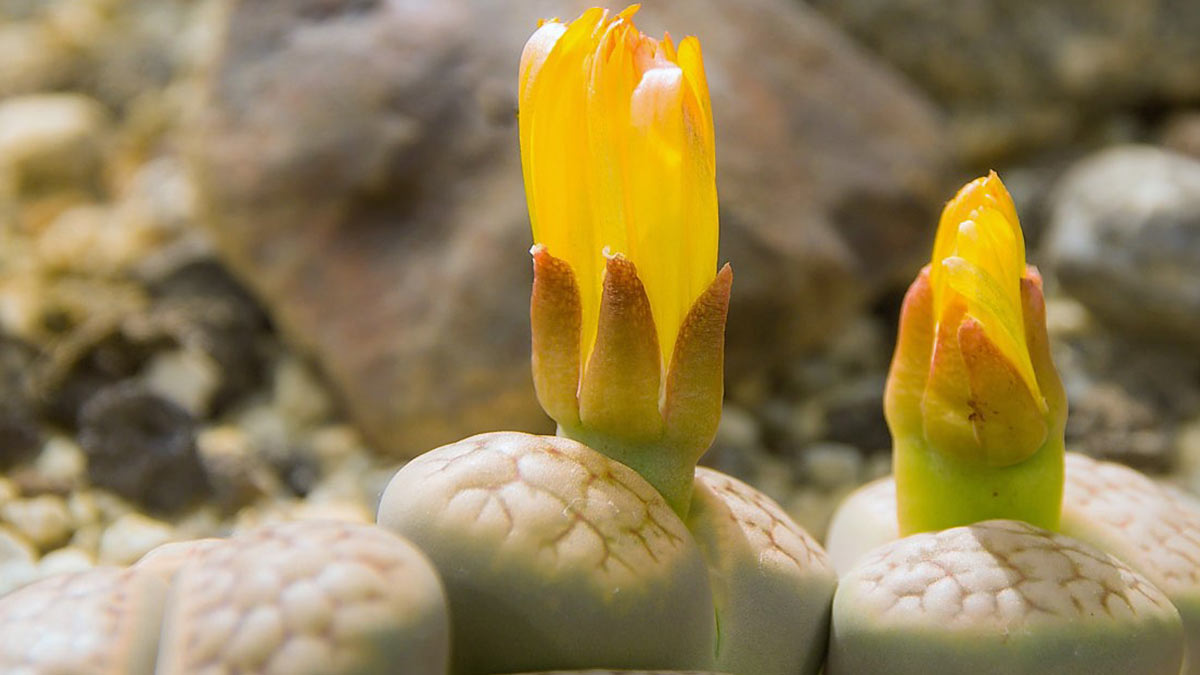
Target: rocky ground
pixel 253 255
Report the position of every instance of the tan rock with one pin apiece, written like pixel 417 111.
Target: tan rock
pixel 131 536
pixel 43 520
pixel 342 162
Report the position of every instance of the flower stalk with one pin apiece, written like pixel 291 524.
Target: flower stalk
pixel 628 311
pixel 973 401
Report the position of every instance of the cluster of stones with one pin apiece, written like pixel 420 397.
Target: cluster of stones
pixel 509 553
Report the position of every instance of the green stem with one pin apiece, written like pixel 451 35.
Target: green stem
pixel 935 491
pixel 667 468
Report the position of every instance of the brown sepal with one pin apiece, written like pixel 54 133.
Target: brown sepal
pixel 695 380
pixel 909 370
pixel 555 317
pixel 1033 306
pixel 619 394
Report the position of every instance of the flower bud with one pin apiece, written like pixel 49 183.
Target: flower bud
pixel 628 311
pixel 972 385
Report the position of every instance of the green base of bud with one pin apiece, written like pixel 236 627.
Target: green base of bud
pixel 936 491
pixel 669 469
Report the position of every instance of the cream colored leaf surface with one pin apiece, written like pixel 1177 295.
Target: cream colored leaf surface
pixel 166 559
pixel 1000 596
pixel 319 597
pixel 552 503
pixel 1153 529
pixel 103 621
pixel 772 583
pixel 553 556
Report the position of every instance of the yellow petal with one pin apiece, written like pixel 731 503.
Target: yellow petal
pixel 618 155
pixel 987 191
pixel 979 257
pixel 553 128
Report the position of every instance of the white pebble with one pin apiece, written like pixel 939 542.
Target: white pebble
pixel 64 560
pixel 16 561
pixel 62 462
pixel 832 465
pixel 43 520
pixel 131 536
pixel 187 377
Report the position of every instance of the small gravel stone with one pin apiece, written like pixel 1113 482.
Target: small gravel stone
pixel 1181 133
pixel 854 414
pixel 65 560
pixel 299 397
pixel 831 465
pixel 109 505
pixel 737 444
pixel 83 507
pixel 1066 317
pixel 334 444
pixel 738 428
pixel 267 429
pixel 62 463
pixel 812 509
pixel 200 306
pixel 337 510
pixel 1188 442
pixel 50 139
pixel 34 58
pixel 87 538
pixel 131 537
pixel 187 377
pixel 8 491
pixel 236 473
pixel 87 239
pixel 142 447
pixel 16 561
pixel 20 436
pixel 43 520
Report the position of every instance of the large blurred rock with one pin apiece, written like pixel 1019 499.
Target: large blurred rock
pixel 1124 238
pixel 358 162
pixel 1021 74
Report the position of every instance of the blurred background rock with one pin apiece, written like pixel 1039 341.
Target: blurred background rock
pixel 255 253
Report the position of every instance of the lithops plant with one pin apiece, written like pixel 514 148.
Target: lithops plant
pixel 1144 524
pixel 103 621
pixel 1000 597
pixel 553 555
pixel 604 547
pixel 761 564
pixel 316 597
pixel 977 413
pixel 310 597
pixel 865 519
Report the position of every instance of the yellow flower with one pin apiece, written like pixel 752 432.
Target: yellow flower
pixel 618 157
pixel 978 263
pixel 628 309
pixel 973 400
